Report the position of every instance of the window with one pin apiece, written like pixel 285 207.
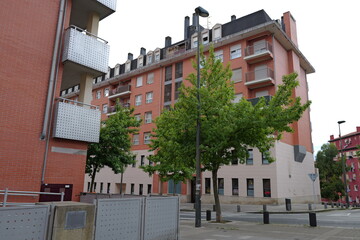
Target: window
pixel 264 160
pixel 98 94
pixel 137 100
pixel 101 187
pixel 219 55
pixel 194 41
pixel 250 187
pixel 70 90
pixel 205 37
pixel 207 185
pixel 250 159
pixel 174 188
pixel 127 66
pixel 235 51
pixel 142 160
pixel 106 92
pixel 134 162
pixel 355 188
pixel 136 139
pixel 266 188
pixel 216 32
pixel 104 108
pixel 167 94
pixel 262 94
pixel 150 162
pixel 99 79
pixel 148 117
pixel 117 70
pixel 108 188
pixel 177 89
pixel 149 97
pixel 147 138
pixel 260 46
pixel 238 97
pixel 132 190
pixel 149 189
pixel 63 92
pixel 157 55
pixel 178 70
pixel 150 78
pixel 235 186
pixel 149 57
pixel 137 117
pixel 140 61
pixel 237 75
pixel 139 81
pixel 221 186
pixel 234 161
pixel 168 73
pixel 88 186
pixel 76 88
pixel 94 187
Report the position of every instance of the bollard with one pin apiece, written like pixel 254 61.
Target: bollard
pixel 214 208
pixel 264 208
pixel 309 206
pixel 208 215
pixel 325 205
pixel 238 208
pixel 312 219
pixel 266 217
pixel 337 204
pixel 288 204
pixel 332 205
pixel 341 205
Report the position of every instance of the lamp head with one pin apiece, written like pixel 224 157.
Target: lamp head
pixel 340 122
pixel 201 12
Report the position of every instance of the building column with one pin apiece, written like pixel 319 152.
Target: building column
pixel 93 23
pixel 86 84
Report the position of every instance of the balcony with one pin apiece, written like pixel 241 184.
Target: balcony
pixel 259 78
pixel 76 121
pixel 83 53
pixel 258 52
pixel 81 8
pixel 119 92
pixel 254 101
pixel 112 109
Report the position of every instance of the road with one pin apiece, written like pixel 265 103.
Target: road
pixel 338 218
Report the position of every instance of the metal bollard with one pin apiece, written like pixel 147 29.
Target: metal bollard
pixel 288 204
pixel 238 208
pixel 264 208
pixel 312 219
pixel 332 205
pixel 208 215
pixel 266 217
pixel 325 205
pixel 341 205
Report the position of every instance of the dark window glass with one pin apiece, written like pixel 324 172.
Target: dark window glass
pixel 235 186
pixel 221 186
pixel 250 187
pixel 207 185
pixel 167 95
pixel 178 70
pixel 177 92
pixel 168 73
pixel 250 159
pixel 266 187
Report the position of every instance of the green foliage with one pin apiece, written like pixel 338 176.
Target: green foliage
pixel 227 128
pixel 330 172
pixel 113 149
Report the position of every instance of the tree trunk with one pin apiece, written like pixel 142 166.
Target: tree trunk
pixel 93 174
pixel 216 195
pixel 161 186
pixel 121 182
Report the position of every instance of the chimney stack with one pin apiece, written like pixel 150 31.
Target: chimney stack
pixel 194 20
pixel 186 27
pixel 142 51
pixel 167 41
pixel 130 56
pixel 233 17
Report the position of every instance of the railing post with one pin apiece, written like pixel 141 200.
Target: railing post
pixel 62 196
pixel 5 197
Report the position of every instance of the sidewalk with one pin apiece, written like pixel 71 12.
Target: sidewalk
pixel 254 231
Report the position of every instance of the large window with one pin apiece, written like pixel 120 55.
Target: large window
pixel 207 185
pixel 168 73
pixel 149 97
pixel 128 66
pixel 221 186
pixel 174 188
pixel 237 75
pixel 140 189
pixel 147 138
pixel 157 55
pixel 142 160
pixel 235 186
pixel 132 190
pixel 266 188
pixel 136 139
pixel 138 100
pixel 139 81
pixel 177 89
pixel 250 187
pixel 264 160
pixel 250 159
pixel 106 92
pixel 104 108
pixel 235 51
pixel 98 94
pixel 219 55
pixel 148 117
pixel 178 70
pixel 149 58
pixel 149 189
pixel 167 94
pixel 150 78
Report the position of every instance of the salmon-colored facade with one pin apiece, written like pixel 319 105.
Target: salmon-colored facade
pixel 33 73
pixel 260 51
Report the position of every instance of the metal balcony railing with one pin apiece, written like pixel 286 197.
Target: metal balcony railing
pixel 258 49
pixel 120 89
pixel 112 109
pixel 265 73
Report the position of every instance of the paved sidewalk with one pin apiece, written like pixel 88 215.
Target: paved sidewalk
pixel 254 231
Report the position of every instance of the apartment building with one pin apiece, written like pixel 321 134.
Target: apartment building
pixel 260 51
pixel 46 47
pixel 348 146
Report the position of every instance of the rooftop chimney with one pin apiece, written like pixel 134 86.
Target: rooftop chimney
pixel 167 41
pixel 194 20
pixel 142 51
pixel 233 17
pixel 186 27
pixel 130 56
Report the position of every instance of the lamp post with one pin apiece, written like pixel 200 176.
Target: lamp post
pixel 343 166
pixel 199 11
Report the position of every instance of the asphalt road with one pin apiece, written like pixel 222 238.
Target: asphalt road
pixel 338 218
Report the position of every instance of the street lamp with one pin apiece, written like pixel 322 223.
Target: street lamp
pixel 343 166
pixel 199 11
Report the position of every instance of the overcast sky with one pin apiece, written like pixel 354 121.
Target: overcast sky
pixel 328 35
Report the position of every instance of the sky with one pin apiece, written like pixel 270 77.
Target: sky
pixel 328 36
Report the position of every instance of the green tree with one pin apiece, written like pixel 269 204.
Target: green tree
pixel 330 172
pixel 227 128
pixel 113 149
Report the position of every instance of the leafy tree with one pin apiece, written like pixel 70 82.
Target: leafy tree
pixel 330 172
pixel 227 128
pixel 113 149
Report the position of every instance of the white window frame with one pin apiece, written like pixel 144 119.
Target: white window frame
pixel 194 40
pixel 219 55
pixel 149 97
pixel 76 88
pixel 216 32
pixel 147 137
pixel 157 55
pixel 150 80
pixel 128 66
pixel 235 51
pixel 106 92
pixel 63 92
pixel 69 90
pixel 237 74
pixel 139 81
pixel 149 57
pixel 138 99
pixel 98 94
pixel 237 98
pixel 140 61
pixel 136 139
pixel 117 70
pixel 205 34
pixel 137 116
pixel 104 108
pixel 148 117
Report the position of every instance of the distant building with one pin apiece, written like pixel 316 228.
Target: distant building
pixel 48 47
pixel 261 51
pixel 348 146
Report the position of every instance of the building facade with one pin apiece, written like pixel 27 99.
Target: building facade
pixel 47 46
pixel 260 51
pixel 348 147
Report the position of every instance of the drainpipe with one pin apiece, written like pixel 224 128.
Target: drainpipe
pixel 52 83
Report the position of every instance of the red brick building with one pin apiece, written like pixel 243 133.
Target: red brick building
pixel 348 146
pixel 47 46
pixel 260 51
